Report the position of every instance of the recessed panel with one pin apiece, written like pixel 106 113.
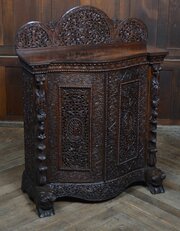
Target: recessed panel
pixel 129 123
pixel 75 129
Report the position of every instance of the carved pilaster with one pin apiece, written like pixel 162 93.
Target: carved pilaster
pixel 40 130
pixel 154 176
pixel 154 113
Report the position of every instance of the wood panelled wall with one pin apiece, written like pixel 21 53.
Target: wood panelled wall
pixel 162 18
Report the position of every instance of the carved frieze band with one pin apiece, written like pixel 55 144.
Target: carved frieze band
pixel 155 68
pixel 40 130
pixel 98 191
pixel 86 67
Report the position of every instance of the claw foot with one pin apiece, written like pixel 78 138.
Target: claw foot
pixel 44 202
pixel 154 178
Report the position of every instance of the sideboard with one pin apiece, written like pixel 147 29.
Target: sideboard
pixel 90 107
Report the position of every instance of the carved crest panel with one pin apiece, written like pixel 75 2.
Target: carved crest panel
pixel 83 26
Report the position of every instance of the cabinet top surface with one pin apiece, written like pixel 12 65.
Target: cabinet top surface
pixel 85 54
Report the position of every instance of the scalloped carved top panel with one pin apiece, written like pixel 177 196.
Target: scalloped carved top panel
pixel 82 25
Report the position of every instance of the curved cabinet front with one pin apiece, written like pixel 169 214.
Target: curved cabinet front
pixel 97 126
pixel 90 107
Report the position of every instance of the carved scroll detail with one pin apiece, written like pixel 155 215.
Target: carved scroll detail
pixel 41 136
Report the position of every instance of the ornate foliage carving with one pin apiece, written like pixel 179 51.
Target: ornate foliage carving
pixel 75 127
pixel 155 68
pixel 132 30
pixel 127 101
pixel 100 190
pixel 129 123
pixel 45 195
pixel 84 25
pixel 33 34
pixel 86 122
pixel 97 67
pixel 154 176
pixel 40 132
pixel 80 102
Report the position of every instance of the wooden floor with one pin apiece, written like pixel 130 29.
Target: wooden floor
pixel 135 209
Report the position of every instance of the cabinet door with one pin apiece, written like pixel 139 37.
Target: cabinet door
pixel 75 122
pixel 127 121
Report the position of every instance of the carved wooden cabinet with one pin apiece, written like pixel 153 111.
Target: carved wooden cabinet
pixel 90 107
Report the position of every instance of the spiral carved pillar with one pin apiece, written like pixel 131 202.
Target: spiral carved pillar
pixel 154 176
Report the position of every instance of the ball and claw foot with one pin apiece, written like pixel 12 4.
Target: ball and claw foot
pixel 154 179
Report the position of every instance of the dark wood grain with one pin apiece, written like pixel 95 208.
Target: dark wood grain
pixel 160 16
pixel 147 10
pixel 134 210
pixel 3 103
pixel 91 96
pixel 60 7
pixel 169 93
pixel 1 23
pixel 174 28
pixel 165 109
pixel 14 85
pixel 162 23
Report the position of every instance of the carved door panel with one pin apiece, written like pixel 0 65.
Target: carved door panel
pixel 126 125
pixel 76 124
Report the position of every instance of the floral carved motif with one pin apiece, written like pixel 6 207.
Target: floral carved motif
pixel 75 125
pixel 90 124
pixel 84 25
pixel 132 30
pixel 127 100
pixel 33 34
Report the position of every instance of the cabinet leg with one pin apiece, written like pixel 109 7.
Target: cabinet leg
pixel 43 196
pixel 154 178
pixel 44 201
